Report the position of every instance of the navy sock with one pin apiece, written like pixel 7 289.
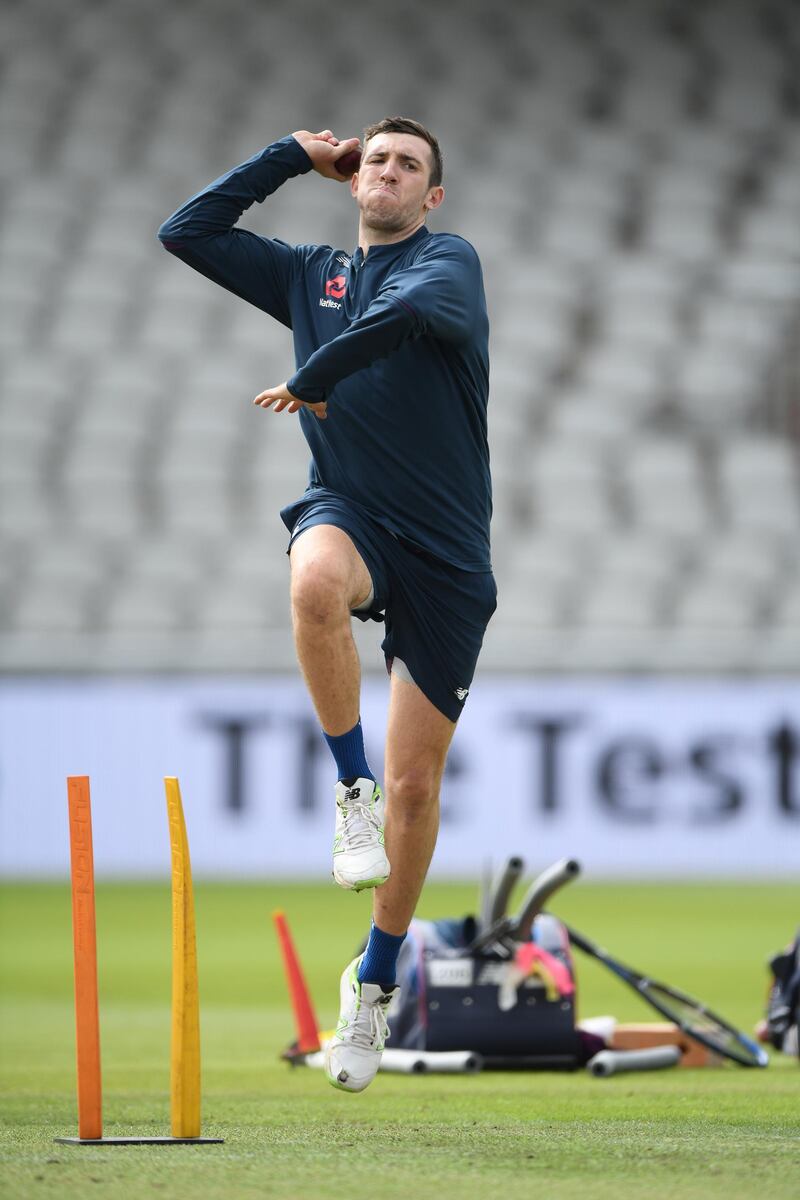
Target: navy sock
pixel 348 750
pixel 379 964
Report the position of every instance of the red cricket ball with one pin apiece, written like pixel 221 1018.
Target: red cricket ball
pixel 349 163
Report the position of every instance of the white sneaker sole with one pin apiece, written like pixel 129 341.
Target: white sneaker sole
pixel 354 884
pixel 345 1084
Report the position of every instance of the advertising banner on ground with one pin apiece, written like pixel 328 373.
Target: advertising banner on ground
pixel 635 778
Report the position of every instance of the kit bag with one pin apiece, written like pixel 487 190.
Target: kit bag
pixel 783 999
pixel 513 1005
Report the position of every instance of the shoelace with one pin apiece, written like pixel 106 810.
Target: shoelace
pixel 378 1030
pixel 360 826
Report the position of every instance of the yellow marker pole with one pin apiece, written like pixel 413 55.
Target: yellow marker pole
pixel 185 1061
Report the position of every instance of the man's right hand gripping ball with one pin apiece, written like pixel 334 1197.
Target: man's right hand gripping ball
pixel 330 157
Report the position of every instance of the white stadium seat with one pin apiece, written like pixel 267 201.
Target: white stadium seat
pixel 637 224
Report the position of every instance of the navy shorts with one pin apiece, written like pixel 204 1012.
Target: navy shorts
pixel 435 614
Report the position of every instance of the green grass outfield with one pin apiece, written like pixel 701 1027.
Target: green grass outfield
pixel 689 1134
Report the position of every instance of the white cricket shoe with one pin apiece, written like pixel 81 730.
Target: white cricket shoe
pixel 359 858
pixel 353 1054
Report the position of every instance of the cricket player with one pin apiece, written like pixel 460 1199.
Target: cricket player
pixel 390 388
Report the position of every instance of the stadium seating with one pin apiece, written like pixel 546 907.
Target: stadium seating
pixel 630 174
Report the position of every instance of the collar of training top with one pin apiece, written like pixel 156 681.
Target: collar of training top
pixel 390 249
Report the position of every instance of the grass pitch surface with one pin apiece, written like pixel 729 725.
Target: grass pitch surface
pixel 688 1134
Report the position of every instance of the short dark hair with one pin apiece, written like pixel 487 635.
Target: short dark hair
pixel 406 125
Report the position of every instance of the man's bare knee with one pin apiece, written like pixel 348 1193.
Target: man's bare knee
pixel 329 578
pixel 412 793
pixel 319 590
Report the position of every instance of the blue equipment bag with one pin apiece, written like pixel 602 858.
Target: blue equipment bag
pixel 514 1007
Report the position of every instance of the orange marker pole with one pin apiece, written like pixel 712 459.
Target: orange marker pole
pixel 304 1018
pixel 87 1016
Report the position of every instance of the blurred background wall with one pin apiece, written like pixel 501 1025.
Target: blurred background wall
pixel 629 171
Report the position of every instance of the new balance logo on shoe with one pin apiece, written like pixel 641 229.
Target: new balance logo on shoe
pixel 352 793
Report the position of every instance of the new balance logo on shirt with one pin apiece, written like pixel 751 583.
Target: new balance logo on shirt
pixel 462 693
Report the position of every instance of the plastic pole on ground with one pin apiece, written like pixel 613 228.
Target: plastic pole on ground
pixel 185 1056
pixel 84 936
pixel 304 1017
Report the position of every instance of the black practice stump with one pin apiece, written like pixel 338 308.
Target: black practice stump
pixel 140 1141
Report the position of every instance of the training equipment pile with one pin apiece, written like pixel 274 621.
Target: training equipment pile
pixel 499 991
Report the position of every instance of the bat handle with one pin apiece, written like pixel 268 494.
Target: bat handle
pixel 495 933
pixel 539 893
pixel 613 1062
pixel 501 892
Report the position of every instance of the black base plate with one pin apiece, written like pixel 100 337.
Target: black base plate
pixel 139 1141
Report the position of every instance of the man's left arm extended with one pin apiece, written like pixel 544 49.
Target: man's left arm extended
pixel 437 295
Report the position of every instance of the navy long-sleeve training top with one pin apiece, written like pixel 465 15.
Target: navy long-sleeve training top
pixel 395 341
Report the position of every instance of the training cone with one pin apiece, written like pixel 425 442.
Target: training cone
pixel 304 1017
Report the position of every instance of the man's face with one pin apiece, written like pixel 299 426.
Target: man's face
pixel 391 185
